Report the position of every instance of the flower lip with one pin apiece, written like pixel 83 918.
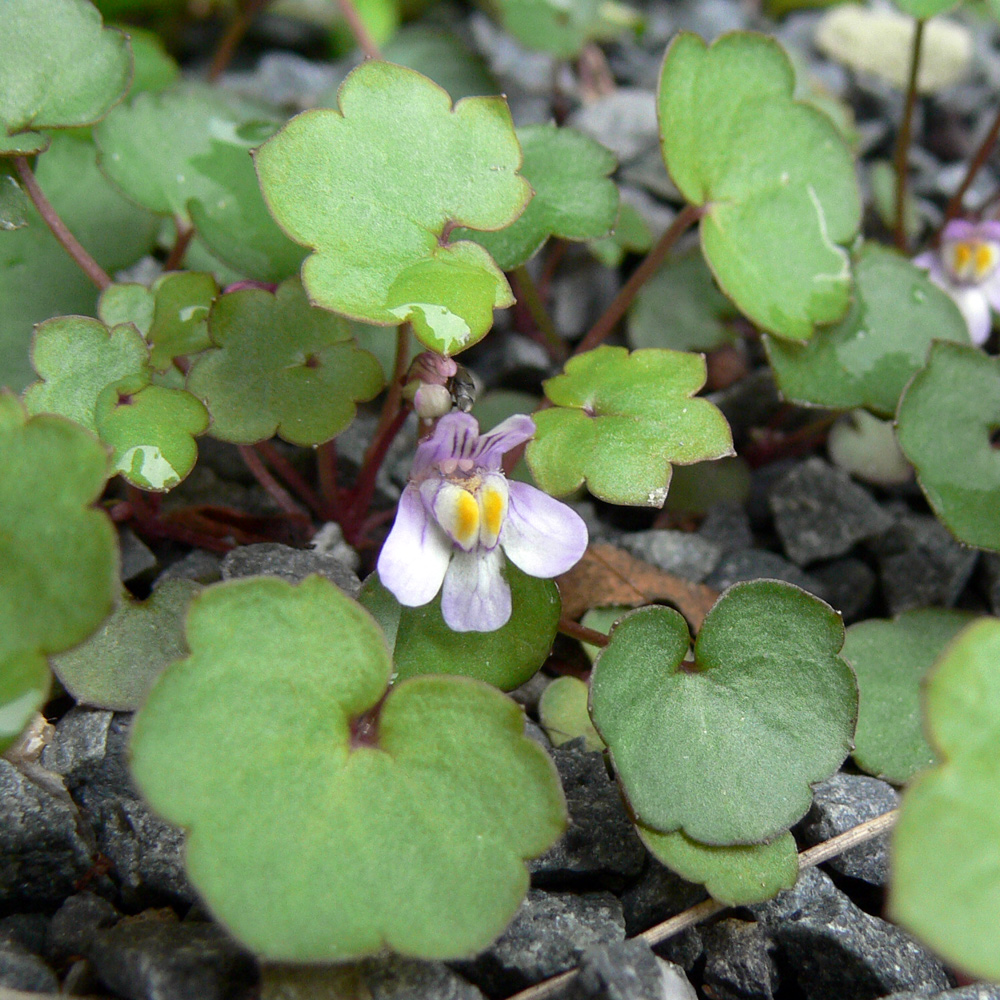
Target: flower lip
pixel 459 516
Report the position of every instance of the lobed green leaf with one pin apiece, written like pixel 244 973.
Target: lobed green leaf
pixel 773 176
pixel 891 660
pixel 870 355
pixel 409 168
pixel 619 422
pixel 574 198
pixel 726 747
pixel 945 423
pixel 59 554
pixel 736 875
pixel 279 365
pixel 317 833
pixel 59 68
pixel 946 870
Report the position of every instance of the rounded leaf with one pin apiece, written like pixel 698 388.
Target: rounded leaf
pixel 59 555
pixel 620 419
pixel 945 423
pixel 574 198
pixel 563 713
pixel 680 308
pixel 891 660
pixel 318 834
pixel 117 665
pixel 773 176
pixel 59 68
pixel 946 869
pixel 725 748
pixel 281 365
pixel 870 355
pixel 409 167
pixel 736 875
pixel 38 279
pixel 422 643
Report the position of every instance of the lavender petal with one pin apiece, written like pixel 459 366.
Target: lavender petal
pixel 455 436
pixel 415 556
pixel 541 535
pixel 475 597
pixel 508 434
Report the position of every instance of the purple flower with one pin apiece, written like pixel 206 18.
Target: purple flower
pixel 966 268
pixel 456 515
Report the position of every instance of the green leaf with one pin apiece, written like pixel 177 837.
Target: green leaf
pixel 620 419
pixel 421 643
pixel 696 489
pixel 680 308
pixel 946 870
pixel 882 178
pixel 38 279
pixel 166 149
pixel 15 206
pixel 870 355
pixel 443 58
pixel 324 837
pixel 59 555
pixel 891 660
pixel 773 176
pixel 735 875
pixel 601 620
pixel 127 303
pixel 151 431
pixel 180 316
pixel 280 365
pixel 409 168
pixel 925 8
pixel 117 665
pixel 155 69
pixel 574 199
pixel 235 225
pixel 565 28
pixel 562 711
pixel 631 234
pixel 725 748
pixel 76 358
pixel 58 68
pixel 100 379
pixel 945 422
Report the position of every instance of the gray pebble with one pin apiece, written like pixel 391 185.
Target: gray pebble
pixel 293 565
pixel 547 936
pixel 681 553
pixel 738 961
pixel 836 951
pixel 756 564
pixel 842 802
pixel 601 842
pixel 20 969
pixel 820 512
pixel 627 970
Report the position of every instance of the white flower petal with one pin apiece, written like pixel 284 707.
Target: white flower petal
pixel 415 556
pixel 541 535
pixel 475 597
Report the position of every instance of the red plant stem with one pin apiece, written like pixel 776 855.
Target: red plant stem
pixel 232 37
pixel 982 154
pixel 577 631
pixel 326 472
pixel 274 489
pixel 292 477
pixel 364 489
pixel 152 527
pixel 184 234
pixel 902 156
pixel 555 256
pixel 686 218
pixel 357 27
pixel 67 240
